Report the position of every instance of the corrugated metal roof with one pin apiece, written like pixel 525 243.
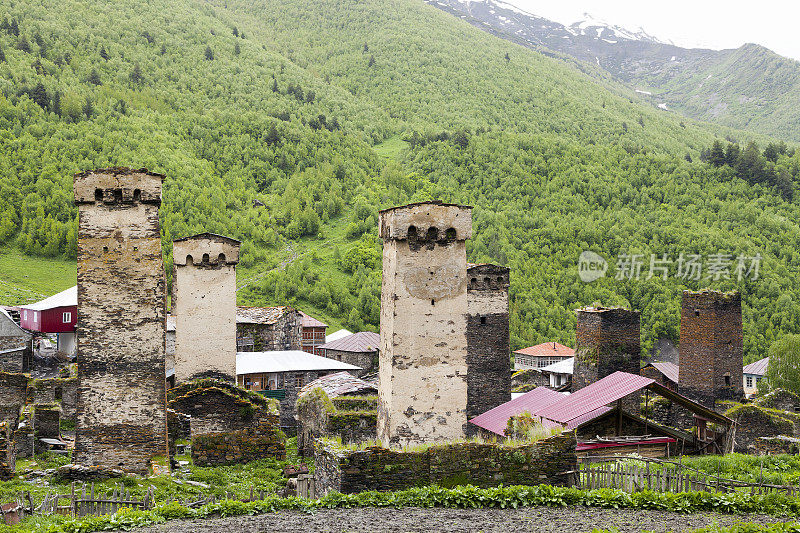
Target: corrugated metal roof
pixel 759 368
pixel 670 370
pixel 285 361
pixel 363 341
pixel 260 315
pixel 311 322
pixel 335 336
pixel 339 384
pixel 496 420
pixel 598 394
pixel 65 298
pixel 562 367
pixel 548 349
pixel 588 417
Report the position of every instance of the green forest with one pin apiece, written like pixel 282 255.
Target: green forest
pixel 289 124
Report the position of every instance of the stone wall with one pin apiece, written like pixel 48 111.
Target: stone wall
pixel 367 361
pixel 7 452
pixel 318 417
pixel 204 305
pixel 121 406
pixel 289 401
pixel 488 349
pixel 753 422
pixel 178 428
pixel 63 391
pixel 283 334
pixel 18 341
pixel 780 399
pixel 241 446
pixel 528 379
pixel 15 360
pixel 711 350
pixel 775 446
pixel 423 355
pixel 46 421
pixel 607 341
pixel 482 464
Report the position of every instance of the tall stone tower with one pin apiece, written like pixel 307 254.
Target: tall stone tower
pixel 606 341
pixel 423 358
pixel 121 409
pixel 488 349
pixel 711 347
pixel 204 305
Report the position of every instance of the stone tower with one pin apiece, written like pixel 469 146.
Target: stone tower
pixel 204 305
pixel 423 357
pixel 606 341
pixel 488 349
pixel 121 407
pixel 711 350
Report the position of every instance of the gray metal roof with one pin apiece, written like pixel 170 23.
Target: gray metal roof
pixel 759 368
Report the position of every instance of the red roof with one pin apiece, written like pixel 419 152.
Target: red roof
pixel 583 446
pixel 548 349
pixel 311 322
pixel 759 368
pixel 363 341
pixel 496 420
pixel 598 394
pixel 670 370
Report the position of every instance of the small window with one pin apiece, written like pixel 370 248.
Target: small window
pixel 25 315
pixel 298 380
pixel 696 312
pixel 483 320
pixel 727 381
pixel 749 381
pixel 66 318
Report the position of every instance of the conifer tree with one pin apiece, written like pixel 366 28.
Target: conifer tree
pixel 209 53
pixel 39 95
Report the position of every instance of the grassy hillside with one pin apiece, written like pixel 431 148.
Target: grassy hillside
pixel 328 111
pixel 25 279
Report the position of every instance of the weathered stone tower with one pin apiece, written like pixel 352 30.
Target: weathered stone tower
pixel 121 408
pixel 488 349
pixel 711 350
pixel 423 358
pixel 606 341
pixel 204 305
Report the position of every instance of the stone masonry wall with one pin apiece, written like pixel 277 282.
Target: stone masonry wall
pixel 121 407
pixel 241 446
pixel 46 421
pixel 57 390
pixel 423 356
pixel 481 464
pixel 488 348
pixel 204 305
pixel 284 334
pixel 367 361
pixel 711 349
pixel 320 417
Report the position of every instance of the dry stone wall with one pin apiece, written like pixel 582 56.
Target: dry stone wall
pixel 350 418
pixel 121 405
pixel 548 461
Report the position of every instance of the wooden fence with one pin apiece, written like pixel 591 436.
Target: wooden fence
pixel 633 475
pixel 84 502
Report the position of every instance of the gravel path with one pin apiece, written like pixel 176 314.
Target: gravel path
pixel 545 519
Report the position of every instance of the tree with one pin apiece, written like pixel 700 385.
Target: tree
pixel 94 78
pixel 783 371
pixel 717 155
pixel 732 154
pixel 39 95
pixel 371 61
pixel 88 108
pixel 235 31
pixel 274 85
pixel 14 28
pixel 23 45
pixel 236 49
pixel 136 75
pixel 103 53
pixel 783 182
pixel 2 55
pixel 508 58
pixel 55 105
pixel 366 48
pixel 209 53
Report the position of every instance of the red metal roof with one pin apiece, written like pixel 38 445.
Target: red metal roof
pixel 496 420
pixel 759 368
pixel 670 370
pixel 548 349
pixel 598 394
pixel 363 341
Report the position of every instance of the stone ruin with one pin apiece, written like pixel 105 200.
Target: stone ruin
pixel 121 409
pixel 204 305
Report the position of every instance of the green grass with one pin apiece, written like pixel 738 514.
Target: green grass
pixel 391 148
pixel 25 279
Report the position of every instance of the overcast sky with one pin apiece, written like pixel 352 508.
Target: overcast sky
pixel 697 23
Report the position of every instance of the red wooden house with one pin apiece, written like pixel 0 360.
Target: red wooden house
pixel 313 334
pixel 56 314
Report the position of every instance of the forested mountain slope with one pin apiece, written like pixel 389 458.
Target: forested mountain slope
pixel 298 104
pixel 749 87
